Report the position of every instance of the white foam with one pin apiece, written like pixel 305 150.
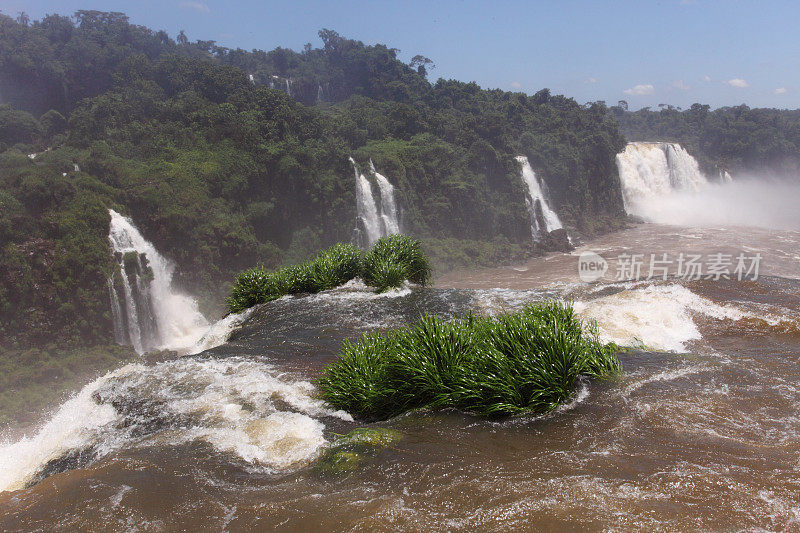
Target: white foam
pixel 220 331
pixel 658 316
pixel 75 423
pixel 240 406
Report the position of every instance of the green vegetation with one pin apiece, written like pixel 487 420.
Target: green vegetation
pixel 390 262
pixel 332 267
pixel 393 260
pixel 221 173
pixel 525 362
pixel 737 139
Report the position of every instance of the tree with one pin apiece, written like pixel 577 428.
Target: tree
pixel 422 64
pixel 182 39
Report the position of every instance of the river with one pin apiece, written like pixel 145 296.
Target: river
pixel 702 430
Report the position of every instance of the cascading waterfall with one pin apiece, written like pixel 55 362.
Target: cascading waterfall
pixel 147 312
pixel 543 218
pixel 120 333
pixel 391 223
pixel 650 171
pixel 379 218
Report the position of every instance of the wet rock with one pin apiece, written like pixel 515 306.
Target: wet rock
pixel 349 451
pixel 370 438
pixel 555 241
pixel 337 463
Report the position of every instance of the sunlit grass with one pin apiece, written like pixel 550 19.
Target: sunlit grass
pixel 390 262
pixel 525 362
pixel 331 268
pixel 394 259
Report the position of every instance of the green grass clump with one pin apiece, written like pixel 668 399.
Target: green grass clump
pixel 394 259
pixel 390 262
pixel 332 267
pixel 524 362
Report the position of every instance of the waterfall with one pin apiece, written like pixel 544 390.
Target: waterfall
pixel 153 316
pixel 543 218
pixel 649 172
pixel 319 93
pixel 391 224
pixel 120 333
pixel 376 219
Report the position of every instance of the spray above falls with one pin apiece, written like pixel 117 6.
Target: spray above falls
pixel 543 218
pixel 377 215
pixel 649 172
pixel 147 312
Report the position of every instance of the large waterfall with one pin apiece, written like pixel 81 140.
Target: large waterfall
pixel 377 216
pixel 649 172
pixel 147 312
pixel 543 218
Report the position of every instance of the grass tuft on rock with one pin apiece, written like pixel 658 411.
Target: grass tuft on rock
pixel 329 269
pixel 524 362
pixel 394 259
pixel 390 262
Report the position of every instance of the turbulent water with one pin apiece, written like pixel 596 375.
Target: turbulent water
pixel 543 218
pixel 700 432
pixel 648 172
pixel 662 183
pixel 147 311
pixel 377 216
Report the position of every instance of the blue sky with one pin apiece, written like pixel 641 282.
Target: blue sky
pixel 646 52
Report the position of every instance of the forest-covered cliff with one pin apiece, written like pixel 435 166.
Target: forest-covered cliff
pixel 222 171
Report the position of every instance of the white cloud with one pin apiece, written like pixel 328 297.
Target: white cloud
pixel 198 6
pixel 706 79
pixel 780 90
pixel 678 84
pixel 737 82
pixel 590 80
pixel 639 90
pixel 516 85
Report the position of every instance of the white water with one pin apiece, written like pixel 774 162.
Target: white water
pixel 752 203
pixel 376 218
pixel 660 317
pixel 116 315
pixel 543 218
pixel 367 208
pixel 220 331
pixel 177 320
pixel 237 405
pixel 391 223
pixel 650 172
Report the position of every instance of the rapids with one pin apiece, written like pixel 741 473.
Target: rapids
pixel 701 431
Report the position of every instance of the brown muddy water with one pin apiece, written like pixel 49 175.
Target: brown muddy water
pixel 701 432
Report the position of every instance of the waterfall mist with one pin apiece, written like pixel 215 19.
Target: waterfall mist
pixel 744 202
pixel 662 183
